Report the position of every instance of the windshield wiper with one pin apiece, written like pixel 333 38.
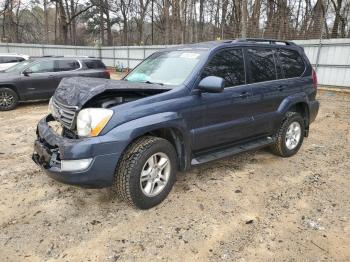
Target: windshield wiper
pixel 149 82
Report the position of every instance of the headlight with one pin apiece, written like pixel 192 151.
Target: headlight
pixel 51 110
pixel 91 121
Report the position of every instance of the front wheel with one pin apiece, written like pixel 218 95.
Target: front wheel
pixel 8 99
pixel 146 172
pixel 290 135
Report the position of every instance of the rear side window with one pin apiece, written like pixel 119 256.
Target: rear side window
pixel 67 65
pixel 229 65
pixel 94 64
pixel 262 65
pixel 292 63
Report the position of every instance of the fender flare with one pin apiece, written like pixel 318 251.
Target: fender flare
pixel 292 100
pixel 12 87
pixel 289 102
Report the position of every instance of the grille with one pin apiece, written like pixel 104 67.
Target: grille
pixel 65 114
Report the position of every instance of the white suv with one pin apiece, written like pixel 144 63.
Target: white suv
pixel 7 60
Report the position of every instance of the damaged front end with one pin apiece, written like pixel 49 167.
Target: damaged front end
pixel 80 100
pixel 68 146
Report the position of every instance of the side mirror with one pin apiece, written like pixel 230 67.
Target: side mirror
pixel 212 84
pixel 27 72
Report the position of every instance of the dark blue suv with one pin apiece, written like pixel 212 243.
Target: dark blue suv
pixel 180 107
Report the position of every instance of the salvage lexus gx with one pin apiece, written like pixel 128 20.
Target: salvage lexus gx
pixel 180 107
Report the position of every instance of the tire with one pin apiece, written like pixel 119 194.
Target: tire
pixel 137 159
pixel 283 146
pixel 8 99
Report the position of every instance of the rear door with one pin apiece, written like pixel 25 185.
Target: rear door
pixel 66 68
pixel 224 117
pixel 264 73
pixel 95 68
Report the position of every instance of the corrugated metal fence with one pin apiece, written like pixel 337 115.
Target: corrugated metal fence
pixel 330 57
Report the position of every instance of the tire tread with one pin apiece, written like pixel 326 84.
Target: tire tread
pixel 276 148
pixel 127 163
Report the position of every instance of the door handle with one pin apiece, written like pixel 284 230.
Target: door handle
pixel 241 95
pixel 244 95
pixel 52 76
pixel 281 87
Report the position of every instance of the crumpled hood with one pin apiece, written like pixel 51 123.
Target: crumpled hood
pixel 76 91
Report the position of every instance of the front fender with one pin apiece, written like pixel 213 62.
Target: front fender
pixel 126 133
pixel 140 126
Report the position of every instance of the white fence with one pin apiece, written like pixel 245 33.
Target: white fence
pixel 330 57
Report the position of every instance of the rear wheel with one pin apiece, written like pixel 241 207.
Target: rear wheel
pixel 8 99
pixel 290 135
pixel 146 173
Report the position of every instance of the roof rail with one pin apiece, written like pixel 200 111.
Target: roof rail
pixel 263 40
pixel 51 56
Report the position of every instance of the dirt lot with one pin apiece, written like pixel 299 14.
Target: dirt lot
pixel 254 206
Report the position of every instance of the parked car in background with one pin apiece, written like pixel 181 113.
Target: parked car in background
pixel 7 60
pixel 37 79
pixel 180 107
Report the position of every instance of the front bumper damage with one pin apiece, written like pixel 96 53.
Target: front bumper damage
pixel 88 162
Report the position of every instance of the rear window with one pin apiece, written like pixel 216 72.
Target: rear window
pixel 94 64
pixel 262 65
pixel 67 65
pixel 292 63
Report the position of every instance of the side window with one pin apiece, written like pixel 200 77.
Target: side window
pixel 229 65
pixel 42 67
pixel 67 65
pixel 9 59
pixel 262 65
pixel 292 63
pixel 94 64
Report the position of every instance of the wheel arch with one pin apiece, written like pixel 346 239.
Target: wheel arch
pixel 170 126
pixel 297 103
pixel 303 109
pixel 176 138
pixel 12 87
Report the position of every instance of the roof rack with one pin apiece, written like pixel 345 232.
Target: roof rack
pixel 263 40
pixel 51 56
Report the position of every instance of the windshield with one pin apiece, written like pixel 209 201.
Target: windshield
pixel 19 67
pixel 166 68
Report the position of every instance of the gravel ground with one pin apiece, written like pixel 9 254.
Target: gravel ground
pixel 251 207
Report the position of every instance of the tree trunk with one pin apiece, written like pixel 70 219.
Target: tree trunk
pixel 244 18
pixel 46 17
pixel 201 20
pixel 102 25
pixel 337 19
pixel 108 24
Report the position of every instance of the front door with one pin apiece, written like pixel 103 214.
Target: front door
pixel 223 117
pixel 39 80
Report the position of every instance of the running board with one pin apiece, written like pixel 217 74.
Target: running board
pixel 229 151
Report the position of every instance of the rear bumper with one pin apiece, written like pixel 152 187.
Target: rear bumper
pixel 50 149
pixel 313 108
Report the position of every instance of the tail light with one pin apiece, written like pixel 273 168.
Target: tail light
pixel 108 73
pixel 314 79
